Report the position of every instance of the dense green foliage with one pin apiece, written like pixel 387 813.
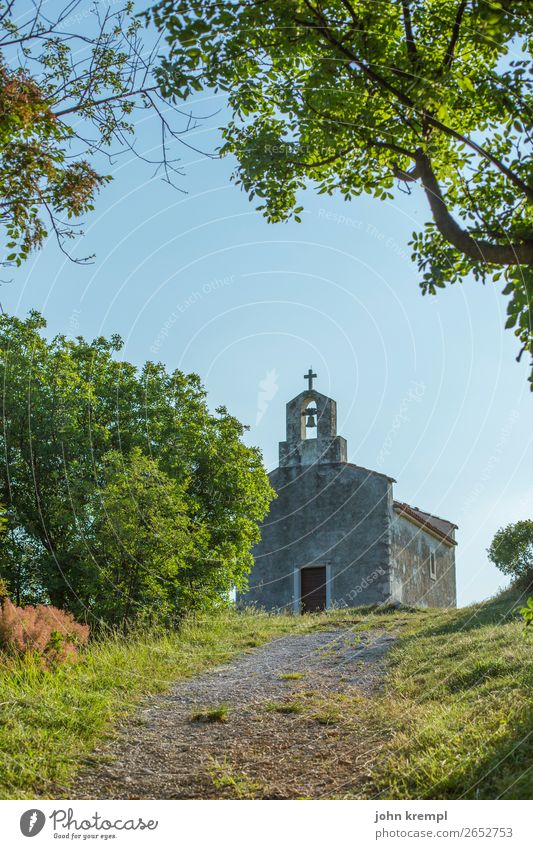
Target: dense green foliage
pixel 511 550
pixel 354 96
pixel 125 496
pixel 527 615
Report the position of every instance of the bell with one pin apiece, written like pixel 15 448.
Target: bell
pixel 310 421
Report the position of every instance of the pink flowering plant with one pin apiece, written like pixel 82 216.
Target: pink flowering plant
pixel 40 631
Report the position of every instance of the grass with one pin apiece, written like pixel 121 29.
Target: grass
pixel 225 777
pixel 214 714
pixel 291 676
pixel 460 689
pixel 451 722
pixel 328 716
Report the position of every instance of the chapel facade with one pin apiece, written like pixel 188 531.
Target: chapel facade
pixel 335 536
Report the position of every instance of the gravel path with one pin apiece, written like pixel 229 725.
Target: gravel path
pixel 258 751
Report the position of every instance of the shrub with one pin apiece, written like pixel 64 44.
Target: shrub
pixel 511 549
pixel 527 615
pixel 42 631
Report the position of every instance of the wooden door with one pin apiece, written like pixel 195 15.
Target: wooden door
pixel 313 588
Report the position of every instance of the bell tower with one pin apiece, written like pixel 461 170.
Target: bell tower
pixel 312 430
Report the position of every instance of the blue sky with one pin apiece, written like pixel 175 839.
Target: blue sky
pixel 428 389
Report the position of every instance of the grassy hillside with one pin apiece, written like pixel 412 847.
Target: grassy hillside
pixel 464 686
pixel 451 722
pixel 456 717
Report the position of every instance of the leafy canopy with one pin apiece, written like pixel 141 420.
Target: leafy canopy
pixel 125 496
pixel 511 549
pixel 72 80
pixel 356 96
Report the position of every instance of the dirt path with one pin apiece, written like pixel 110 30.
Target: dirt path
pixel 268 746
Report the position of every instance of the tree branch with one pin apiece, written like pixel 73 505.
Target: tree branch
pixel 409 37
pixel 511 254
pixel 110 99
pixel 403 98
pixel 450 50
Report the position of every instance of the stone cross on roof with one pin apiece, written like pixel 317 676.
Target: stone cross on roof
pixel 309 376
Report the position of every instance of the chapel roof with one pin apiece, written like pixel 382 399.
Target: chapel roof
pixel 434 524
pixel 371 472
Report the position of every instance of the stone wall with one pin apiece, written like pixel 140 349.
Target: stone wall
pixel 333 514
pixel 412 583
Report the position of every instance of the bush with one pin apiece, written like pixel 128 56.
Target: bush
pixel 42 631
pixel 511 549
pixel 527 615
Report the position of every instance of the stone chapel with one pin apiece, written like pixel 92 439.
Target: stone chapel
pixel 335 536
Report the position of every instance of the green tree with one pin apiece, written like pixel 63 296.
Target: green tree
pixel 511 549
pixel 19 566
pixel 67 404
pixel 72 80
pixel 356 96
pixel 141 540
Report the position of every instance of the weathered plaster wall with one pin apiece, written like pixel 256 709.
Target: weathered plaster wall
pixel 411 580
pixel 329 513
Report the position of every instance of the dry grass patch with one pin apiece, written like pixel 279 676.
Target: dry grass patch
pixel 284 707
